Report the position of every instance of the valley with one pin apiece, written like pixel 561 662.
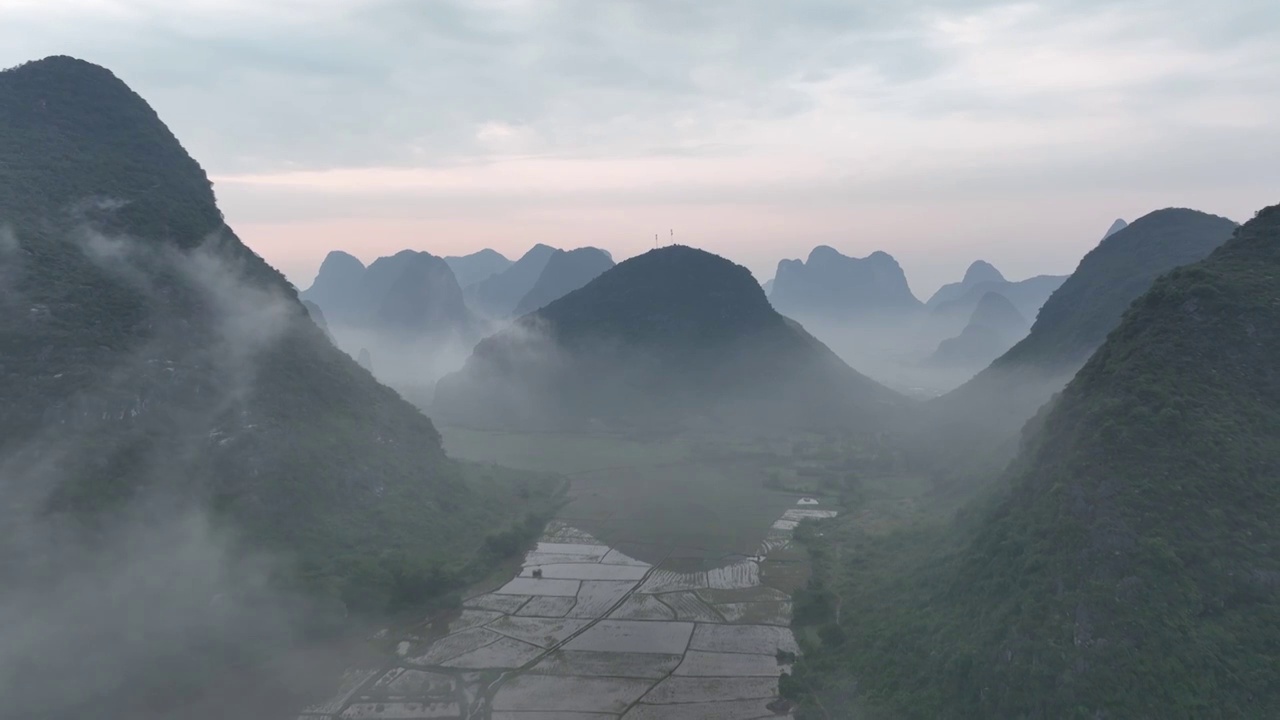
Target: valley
pixel 477 467
pixel 661 590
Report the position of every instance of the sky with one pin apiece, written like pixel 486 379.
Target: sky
pixel 940 131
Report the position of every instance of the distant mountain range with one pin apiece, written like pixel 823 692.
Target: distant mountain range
pixel 962 298
pixel 564 273
pixel 479 265
pixel 499 295
pixel 674 338
pixel 978 273
pixel 406 295
pixel 993 328
pixel 830 285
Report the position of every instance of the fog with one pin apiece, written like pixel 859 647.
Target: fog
pixel 898 350
pixel 407 362
pixel 156 608
pixel 540 375
pixel 159 608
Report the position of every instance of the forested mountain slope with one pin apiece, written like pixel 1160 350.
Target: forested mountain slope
pixel 1130 567
pixel 982 416
pixel 147 355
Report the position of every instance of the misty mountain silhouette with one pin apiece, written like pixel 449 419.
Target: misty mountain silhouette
pixel 961 299
pixel 419 296
pixel 497 296
pixel 479 265
pixel 564 273
pixel 1075 320
pixel 156 356
pixel 317 316
pixel 674 337
pixel 834 286
pixel 1131 567
pixel 980 271
pixel 1116 227
pixel 337 287
pixel 992 329
pixel 408 295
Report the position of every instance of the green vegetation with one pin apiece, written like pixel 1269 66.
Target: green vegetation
pixel 147 356
pixel 972 430
pixel 1076 319
pixel 1129 563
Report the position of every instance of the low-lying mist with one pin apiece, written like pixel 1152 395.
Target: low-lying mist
pixel 124 593
pixel 409 363
pixel 895 350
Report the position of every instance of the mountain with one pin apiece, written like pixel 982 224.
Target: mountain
pixel 1116 227
pixel 1131 568
pixel 835 286
pixel 676 337
pixel 1072 324
pixel 177 434
pixel 767 286
pixel 406 296
pixel 564 273
pixel 336 288
pixel 416 295
pixel 317 316
pixel 959 300
pixel 995 311
pixel 498 296
pixel 979 272
pixel 1077 317
pixel 992 329
pixel 479 265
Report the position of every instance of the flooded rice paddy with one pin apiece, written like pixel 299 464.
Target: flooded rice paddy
pixel 586 632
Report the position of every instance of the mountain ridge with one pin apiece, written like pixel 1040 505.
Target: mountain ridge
pixel 1128 565
pixel 480 265
pixel 498 295
pixel 565 272
pixel 832 285
pixel 614 344
pixel 1071 325
pixel 174 360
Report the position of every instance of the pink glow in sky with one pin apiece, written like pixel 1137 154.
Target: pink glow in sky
pixel 940 131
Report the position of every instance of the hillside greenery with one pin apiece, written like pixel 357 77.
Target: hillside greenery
pixel 972 431
pixel 1087 306
pixel 147 355
pixel 1128 564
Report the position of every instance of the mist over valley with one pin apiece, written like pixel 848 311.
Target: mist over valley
pixel 694 370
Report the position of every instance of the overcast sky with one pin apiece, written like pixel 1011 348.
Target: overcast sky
pixel 940 131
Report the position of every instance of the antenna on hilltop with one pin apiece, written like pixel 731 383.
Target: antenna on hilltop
pixel 673 236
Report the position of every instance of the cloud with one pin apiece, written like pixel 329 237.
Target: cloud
pixel 156 600
pixel 809 105
pixel 344 83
